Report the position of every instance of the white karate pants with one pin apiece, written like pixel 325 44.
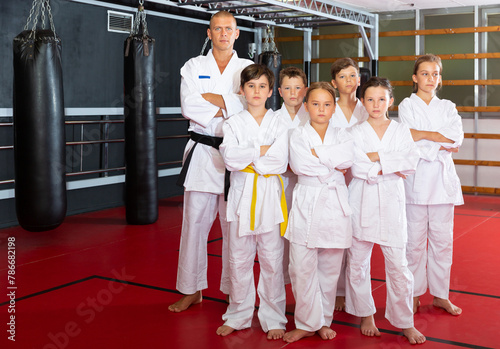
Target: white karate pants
pixel 430 247
pixel 271 288
pixel 199 212
pixel 342 276
pixel 399 282
pixel 289 183
pixel 314 273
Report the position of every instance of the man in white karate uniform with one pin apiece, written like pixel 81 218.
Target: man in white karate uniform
pixel 209 94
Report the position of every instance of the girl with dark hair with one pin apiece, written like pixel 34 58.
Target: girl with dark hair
pixel 384 155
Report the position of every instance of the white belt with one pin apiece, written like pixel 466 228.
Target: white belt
pixel 366 204
pixel 321 203
pixel 421 177
pixel 323 195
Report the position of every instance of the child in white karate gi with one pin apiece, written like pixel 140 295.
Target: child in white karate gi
pixel 346 79
pixel 384 154
pixel 293 88
pixel 320 225
pixel 434 190
pixel 349 112
pixel 255 150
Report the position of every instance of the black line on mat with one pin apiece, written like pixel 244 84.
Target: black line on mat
pixel 51 289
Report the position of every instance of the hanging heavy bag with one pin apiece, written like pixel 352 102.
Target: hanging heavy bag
pixel 273 62
pixel 141 176
pixel 39 137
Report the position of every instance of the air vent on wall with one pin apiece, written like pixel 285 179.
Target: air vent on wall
pixel 120 22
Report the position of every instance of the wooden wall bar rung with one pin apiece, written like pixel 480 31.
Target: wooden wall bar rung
pixel 405 58
pixel 482 135
pixel 480 190
pixel 466 110
pixel 394 33
pixel 476 162
pixel 440 31
pixel 452 82
pixel 337 36
pixel 479 109
pixel 323 60
pixel 319 37
pixel 292 61
pixel 287 38
pixel 333 59
pixel 447 56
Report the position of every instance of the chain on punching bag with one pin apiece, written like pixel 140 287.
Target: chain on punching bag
pixel 141 176
pixel 272 58
pixel 39 137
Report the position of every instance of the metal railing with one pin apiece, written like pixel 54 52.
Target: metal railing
pixel 104 142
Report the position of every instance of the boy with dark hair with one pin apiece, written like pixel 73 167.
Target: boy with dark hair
pixel 349 112
pixel 255 150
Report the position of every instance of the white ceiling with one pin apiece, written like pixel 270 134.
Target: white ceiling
pixel 404 5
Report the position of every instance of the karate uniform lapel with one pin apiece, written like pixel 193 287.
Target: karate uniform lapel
pixel 251 133
pixel 425 119
pixel 221 80
pixel 268 127
pixel 314 138
pixel 370 209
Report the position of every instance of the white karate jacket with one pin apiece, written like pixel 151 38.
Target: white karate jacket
pixel 301 118
pixel 320 215
pixel 378 201
pixel 358 116
pixel 436 180
pixel 240 148
pixel 202 75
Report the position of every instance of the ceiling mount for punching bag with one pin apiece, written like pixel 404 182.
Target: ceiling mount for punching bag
pixel 141 176
pixel 272 58
pixel 39 137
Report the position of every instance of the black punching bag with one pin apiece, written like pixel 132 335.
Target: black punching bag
pixel 39 137
pixel 141 176
pixel 273 62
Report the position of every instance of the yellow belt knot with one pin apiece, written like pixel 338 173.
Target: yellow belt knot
pixel 250 169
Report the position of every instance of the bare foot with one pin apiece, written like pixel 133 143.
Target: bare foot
pixel 296 334
pixel 224 330
pixel 447 305
pixel 326 333
pixel 368 327
pixel 185 302
pixel 275 334
pixel 340 303
pixel 413 335
pixel 416 304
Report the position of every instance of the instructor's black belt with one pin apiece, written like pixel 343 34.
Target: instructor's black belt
pixel 214 142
